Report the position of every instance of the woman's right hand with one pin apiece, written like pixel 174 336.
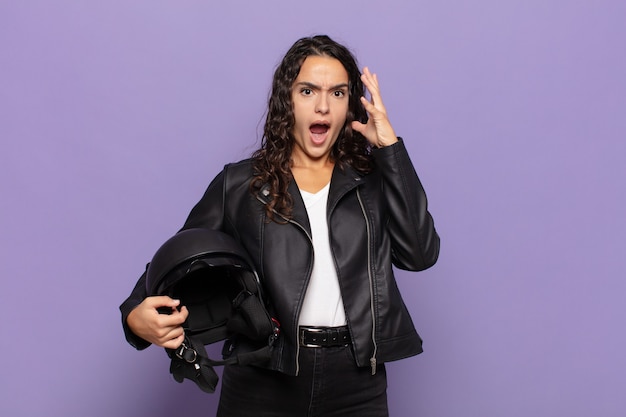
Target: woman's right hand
pixel 163 330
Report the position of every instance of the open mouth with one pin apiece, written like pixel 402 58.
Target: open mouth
pixel 319 131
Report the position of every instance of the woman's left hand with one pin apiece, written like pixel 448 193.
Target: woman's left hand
pixel 378 130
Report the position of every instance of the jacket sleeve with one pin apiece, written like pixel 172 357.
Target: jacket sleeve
pixel 208 213
pixel 414 240
pixel 135 298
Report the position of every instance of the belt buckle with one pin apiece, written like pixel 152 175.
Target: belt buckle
pixel 302 341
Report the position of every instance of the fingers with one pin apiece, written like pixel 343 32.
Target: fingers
pixel 359 127
pixel 162 301
pixel 378 130
pixel 174 343
pixel 371 83
pixel 371 109
pixel 160 329
pixel 172 339
pixel 168 331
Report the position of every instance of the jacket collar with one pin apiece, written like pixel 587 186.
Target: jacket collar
pixel 342 181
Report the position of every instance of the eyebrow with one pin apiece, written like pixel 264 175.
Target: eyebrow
pixel 317 87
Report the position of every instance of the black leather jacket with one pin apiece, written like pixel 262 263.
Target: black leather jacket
pixel 374 220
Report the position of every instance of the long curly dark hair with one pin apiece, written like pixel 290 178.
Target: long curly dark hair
pixel 272 160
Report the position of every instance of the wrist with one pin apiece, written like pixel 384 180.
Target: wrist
pixel 387 142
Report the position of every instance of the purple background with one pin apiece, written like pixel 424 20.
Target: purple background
pixel 115 115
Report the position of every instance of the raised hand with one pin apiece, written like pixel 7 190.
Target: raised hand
pixel 378 130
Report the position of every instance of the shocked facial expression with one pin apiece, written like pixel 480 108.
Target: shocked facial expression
pixel 320 106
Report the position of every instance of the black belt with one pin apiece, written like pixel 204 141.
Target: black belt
pixel 323 336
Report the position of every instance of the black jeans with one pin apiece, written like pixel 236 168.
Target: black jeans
pixel 329 384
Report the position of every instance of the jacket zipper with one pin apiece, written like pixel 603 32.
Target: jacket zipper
pixel 371 282
pixel 313 255
pixel 309 277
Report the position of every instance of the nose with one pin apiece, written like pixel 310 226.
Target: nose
pixel 322 104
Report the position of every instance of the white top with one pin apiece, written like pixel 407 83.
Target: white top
pixel 322 302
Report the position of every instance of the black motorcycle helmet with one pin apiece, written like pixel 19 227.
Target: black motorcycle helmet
pixel 211 275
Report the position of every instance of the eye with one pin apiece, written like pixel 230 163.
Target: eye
pixel 339 93
pixel 306 91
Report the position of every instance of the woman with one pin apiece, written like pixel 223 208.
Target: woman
pixel 324 208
